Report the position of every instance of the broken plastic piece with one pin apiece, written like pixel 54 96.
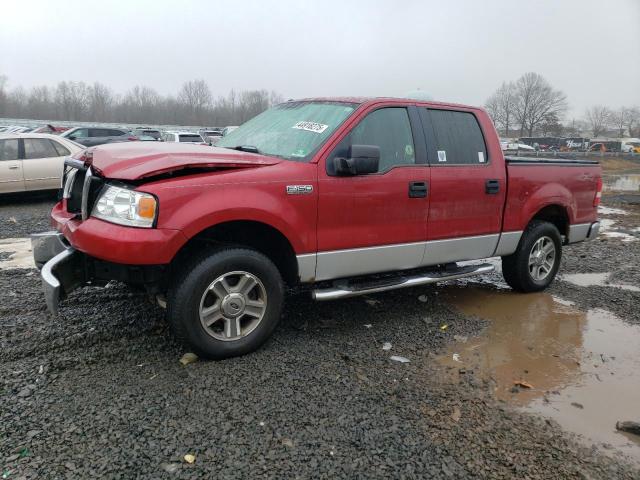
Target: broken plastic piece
pixel 188 358
pixel 397 358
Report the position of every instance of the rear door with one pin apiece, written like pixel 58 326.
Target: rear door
pixel 11 178
pixel 467 188
pixel 376 222
pixel 42 164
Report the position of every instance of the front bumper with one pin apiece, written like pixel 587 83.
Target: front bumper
pixel 62 269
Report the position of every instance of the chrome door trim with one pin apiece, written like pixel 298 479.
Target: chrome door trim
pixel 459 249
pixel 361 261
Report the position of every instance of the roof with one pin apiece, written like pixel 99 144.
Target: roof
pixel 369 100
pixel 30 135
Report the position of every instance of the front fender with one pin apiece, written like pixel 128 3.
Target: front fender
pixel 194 209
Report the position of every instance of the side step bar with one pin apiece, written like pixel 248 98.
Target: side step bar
pixel 344 289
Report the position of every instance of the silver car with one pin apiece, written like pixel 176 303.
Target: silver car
pixel 33 161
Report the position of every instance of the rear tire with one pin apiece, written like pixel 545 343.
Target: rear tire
pixel 226 303
pixel 534 264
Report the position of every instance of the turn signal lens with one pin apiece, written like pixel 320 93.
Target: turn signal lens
pixel 147 207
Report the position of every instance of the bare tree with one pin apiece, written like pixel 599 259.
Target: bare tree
pixel 100 101
pixel 598 118
pixel 631 121
pixel 77 101
pixel 536 99
pixel 501 106
pixel 196 95
pixel 3 94
pixel 72 99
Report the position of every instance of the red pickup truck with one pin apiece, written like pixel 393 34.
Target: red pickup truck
pixel 347 195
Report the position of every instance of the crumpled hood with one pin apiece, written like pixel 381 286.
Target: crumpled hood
pixel 139 160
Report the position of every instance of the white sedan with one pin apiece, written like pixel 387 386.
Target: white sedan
pixel 33 161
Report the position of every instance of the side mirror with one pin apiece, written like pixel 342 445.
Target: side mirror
pixel 362 160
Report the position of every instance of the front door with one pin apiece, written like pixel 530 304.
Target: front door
pixel 467 189
pixel 376 222
pixel 11 179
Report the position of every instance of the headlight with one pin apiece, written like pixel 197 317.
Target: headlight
pixel 125 207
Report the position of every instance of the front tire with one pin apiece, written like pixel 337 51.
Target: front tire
pixel 226 303
pixel 534 264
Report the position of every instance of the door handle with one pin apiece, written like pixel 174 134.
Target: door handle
pixel 13 167
pixel 492 187
pixel 417 189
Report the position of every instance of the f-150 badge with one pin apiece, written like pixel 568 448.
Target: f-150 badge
pixel 299 189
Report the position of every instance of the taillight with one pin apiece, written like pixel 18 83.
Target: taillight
pixel 598 197
pixel 132 138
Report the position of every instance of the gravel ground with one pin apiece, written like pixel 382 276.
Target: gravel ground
pixel 24 213
pixel 99 391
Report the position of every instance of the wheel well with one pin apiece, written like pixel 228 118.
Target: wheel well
pixel 555 214
pixel 259 236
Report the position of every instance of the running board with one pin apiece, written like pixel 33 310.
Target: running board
pixel 344 289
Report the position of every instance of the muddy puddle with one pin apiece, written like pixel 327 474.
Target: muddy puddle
pixel 581 369
pixel 622 183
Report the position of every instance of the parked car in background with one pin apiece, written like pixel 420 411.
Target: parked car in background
pixel 228 130
pixel 33 161
pixel 510 145
pixel 92 136
pixel 148 132
pixel 182 137
pixel 211 136
pixel 48 128
pixel 16 129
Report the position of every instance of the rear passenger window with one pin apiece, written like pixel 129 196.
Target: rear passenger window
pixel 38 148
pixel 454 138
pixel 9 149
pixel 389 129
pixel 115 133
pixel 62 151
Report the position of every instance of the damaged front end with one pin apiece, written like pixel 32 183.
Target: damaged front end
pixel 62 268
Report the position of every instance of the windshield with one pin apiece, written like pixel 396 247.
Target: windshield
pixel 291 130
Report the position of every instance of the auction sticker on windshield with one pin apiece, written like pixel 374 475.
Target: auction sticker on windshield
pixel 311 126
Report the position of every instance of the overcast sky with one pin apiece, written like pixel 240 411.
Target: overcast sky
pixel 455 50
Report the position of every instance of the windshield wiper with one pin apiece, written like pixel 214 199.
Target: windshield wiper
pixel 246 148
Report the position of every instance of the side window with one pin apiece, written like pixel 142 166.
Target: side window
pixel 455 138
pixel 9 149
pixel 115 133
pixel 98 132
pixel 62 151
pixel 389 129
pixel 38 148
pixel 81 133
